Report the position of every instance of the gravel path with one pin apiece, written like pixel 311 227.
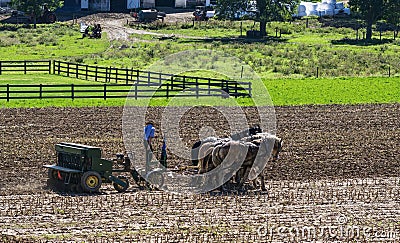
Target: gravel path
pixel 115 25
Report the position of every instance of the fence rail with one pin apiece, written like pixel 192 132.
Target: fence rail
pixel 118 83
pixel 104 91
pixel 25 66
pixel 134 76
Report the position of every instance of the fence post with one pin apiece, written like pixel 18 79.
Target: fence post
pixel 209 85
pixel 1 67
pixel 87 72
pixel 137 76
pixel 250 89
pixel 148 78
pixel 8 92
pixel 54 67
pixel 236 90
pixel 317 72
pixel 172 84
pixel 77 71
pixel 160 79
pixel 389 71
pixel 116 75
pixel 106 74
pixel 127 75
pixel 167 91
pixel 95 74
pixel 40 91
pixel 25 67
pixel 49 66
pixel 197 87
pixel 72 92
pixel 136 84
pixel 105 91
pixel 184 82
pixel 68 69
pixel 59 67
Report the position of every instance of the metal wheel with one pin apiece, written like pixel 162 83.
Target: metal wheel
pixel 155 178
pixel 53 182
pixel 91 181
pixel 53 174
pixel 120 188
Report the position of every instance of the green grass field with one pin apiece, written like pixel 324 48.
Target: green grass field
pixel 48 42
pixel 283 92
pixel 349 72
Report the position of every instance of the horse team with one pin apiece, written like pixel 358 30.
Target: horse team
pixel 249 151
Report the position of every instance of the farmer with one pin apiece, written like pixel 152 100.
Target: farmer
pixel 163 157
pixel 149 132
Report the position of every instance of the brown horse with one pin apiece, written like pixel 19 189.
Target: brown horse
pixel 237 136
pixel 278 143
pixel 251 152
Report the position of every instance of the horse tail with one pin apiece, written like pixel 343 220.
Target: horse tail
pixel 217 157
pixel 195 153
pixel 204 165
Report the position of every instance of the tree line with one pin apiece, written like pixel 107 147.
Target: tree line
pixel 264 11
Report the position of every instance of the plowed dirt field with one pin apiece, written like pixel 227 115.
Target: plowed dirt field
pixel 337 179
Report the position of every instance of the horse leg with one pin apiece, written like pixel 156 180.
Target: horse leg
pixel 245 176
pixel 255 185
pixel 262 178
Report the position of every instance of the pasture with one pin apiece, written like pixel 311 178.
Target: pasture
pixel 337 178
pixel 283 92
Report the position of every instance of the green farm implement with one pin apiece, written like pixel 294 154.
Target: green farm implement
pixel 80 168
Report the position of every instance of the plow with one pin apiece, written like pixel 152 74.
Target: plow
pixel 80 168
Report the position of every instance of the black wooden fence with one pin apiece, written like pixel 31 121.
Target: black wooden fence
pixel 118 83
pixel 104 91
pixel 134 76
pixel 25 66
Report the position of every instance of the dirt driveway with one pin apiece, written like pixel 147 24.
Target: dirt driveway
pixel 115 24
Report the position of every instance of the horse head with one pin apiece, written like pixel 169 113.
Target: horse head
pixel 277 149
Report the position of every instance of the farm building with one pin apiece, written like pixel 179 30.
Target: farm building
pixel 125 5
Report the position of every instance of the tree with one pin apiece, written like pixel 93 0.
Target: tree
pixel 35 7
pixel 265 10
pixel 373 10
pixel 393 16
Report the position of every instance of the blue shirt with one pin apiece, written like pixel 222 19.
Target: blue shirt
pixel 149 131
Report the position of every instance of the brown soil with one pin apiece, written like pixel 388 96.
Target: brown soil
pixel 337 160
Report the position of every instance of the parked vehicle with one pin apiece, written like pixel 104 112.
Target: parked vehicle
pixel 18 17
